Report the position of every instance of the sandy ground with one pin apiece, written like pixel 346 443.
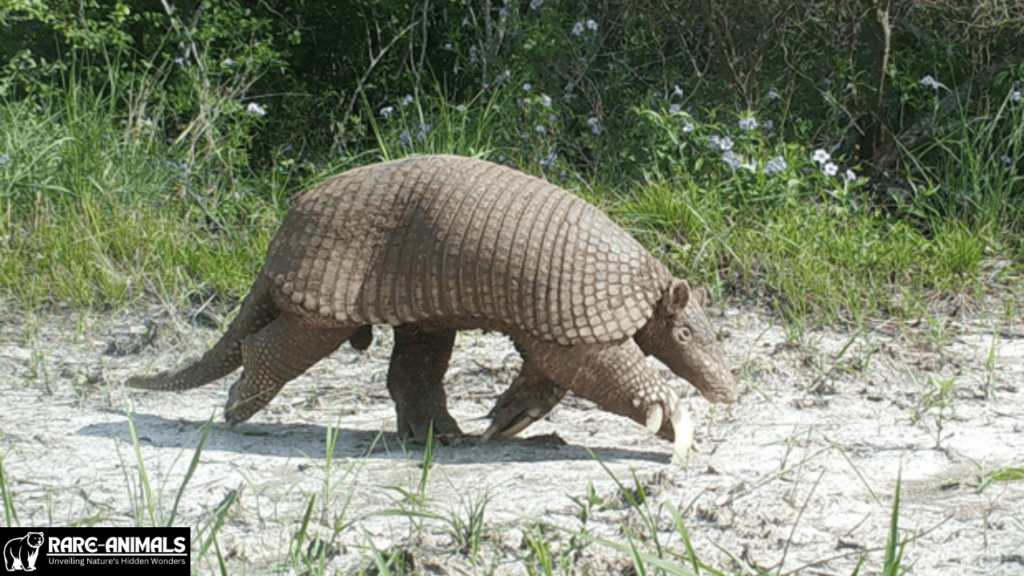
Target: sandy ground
pixel 797 478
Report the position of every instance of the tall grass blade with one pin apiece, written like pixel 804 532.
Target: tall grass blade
pixel 10 513
pixel 147 492
pixel 893 546
pixel 191 470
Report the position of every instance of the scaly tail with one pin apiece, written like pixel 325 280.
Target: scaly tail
pixel 257 311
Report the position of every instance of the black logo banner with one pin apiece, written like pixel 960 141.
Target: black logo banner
pixel 43 551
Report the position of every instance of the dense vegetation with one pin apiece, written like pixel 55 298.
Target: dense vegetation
pixel 834 160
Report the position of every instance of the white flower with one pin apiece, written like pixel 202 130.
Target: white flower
pixel 773 95
pixel 748 123
pixel 405 138
pixel 830 169
pixel 851 176
pixel 730 158
pixel 688 127
pixel 541 129
pixel 931 82
pixel 577 29
pixel 535 4
pixel 545 99
pixel 548 161
pixel 527 86
pixel 775 165
pixel 386 111
pixel 407 100
pixel 461 107
pixel 591 25
pixel 821 156
pixel 466 22
pixel 674 109
pixel 595 125
pixel 5 159
pixel 1004 159
pixel 448 46
pixel 769 125
pixel 1015 96
pixel 254 108
pixel 721 142
pixel 227 62
pixel 677 91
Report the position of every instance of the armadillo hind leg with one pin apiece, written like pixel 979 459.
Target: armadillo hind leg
pixel 416 383
pixel 528 399
pixel 272 357
pixel 617 378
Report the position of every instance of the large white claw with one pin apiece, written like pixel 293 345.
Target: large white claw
pixel 516 427
pixel 683 426
pixel 654 417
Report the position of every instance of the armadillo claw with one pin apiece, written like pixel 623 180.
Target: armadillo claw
pixel 682 424
pixel 654 417
pixel 518 425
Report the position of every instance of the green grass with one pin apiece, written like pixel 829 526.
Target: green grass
pixel 96 211
pixel 92 214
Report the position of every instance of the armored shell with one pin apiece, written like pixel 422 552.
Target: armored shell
pixel 446 237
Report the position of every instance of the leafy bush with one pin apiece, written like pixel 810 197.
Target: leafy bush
pixel 700 124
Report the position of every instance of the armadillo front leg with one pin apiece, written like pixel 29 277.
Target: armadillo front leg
pixel 275 355
pixel 416 383
pixel 528 399
pixel 617 378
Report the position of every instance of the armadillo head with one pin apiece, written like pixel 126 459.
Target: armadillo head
pixel 680 335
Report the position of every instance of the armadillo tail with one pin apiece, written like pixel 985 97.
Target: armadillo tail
pixel 257 311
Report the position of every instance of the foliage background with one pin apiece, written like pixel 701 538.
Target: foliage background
pixel 217 112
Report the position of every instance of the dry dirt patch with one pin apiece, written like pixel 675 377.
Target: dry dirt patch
pixel 798 477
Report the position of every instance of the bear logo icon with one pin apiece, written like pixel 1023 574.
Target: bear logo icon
pixel 21 553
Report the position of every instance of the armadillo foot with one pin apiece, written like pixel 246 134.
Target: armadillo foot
pixel 530 397
pixel 416 426
pixel 416 383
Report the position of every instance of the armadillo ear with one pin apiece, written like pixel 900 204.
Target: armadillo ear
pixel 703 296
pixel 676 297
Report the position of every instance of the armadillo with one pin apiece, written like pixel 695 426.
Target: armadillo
pixel 436 244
